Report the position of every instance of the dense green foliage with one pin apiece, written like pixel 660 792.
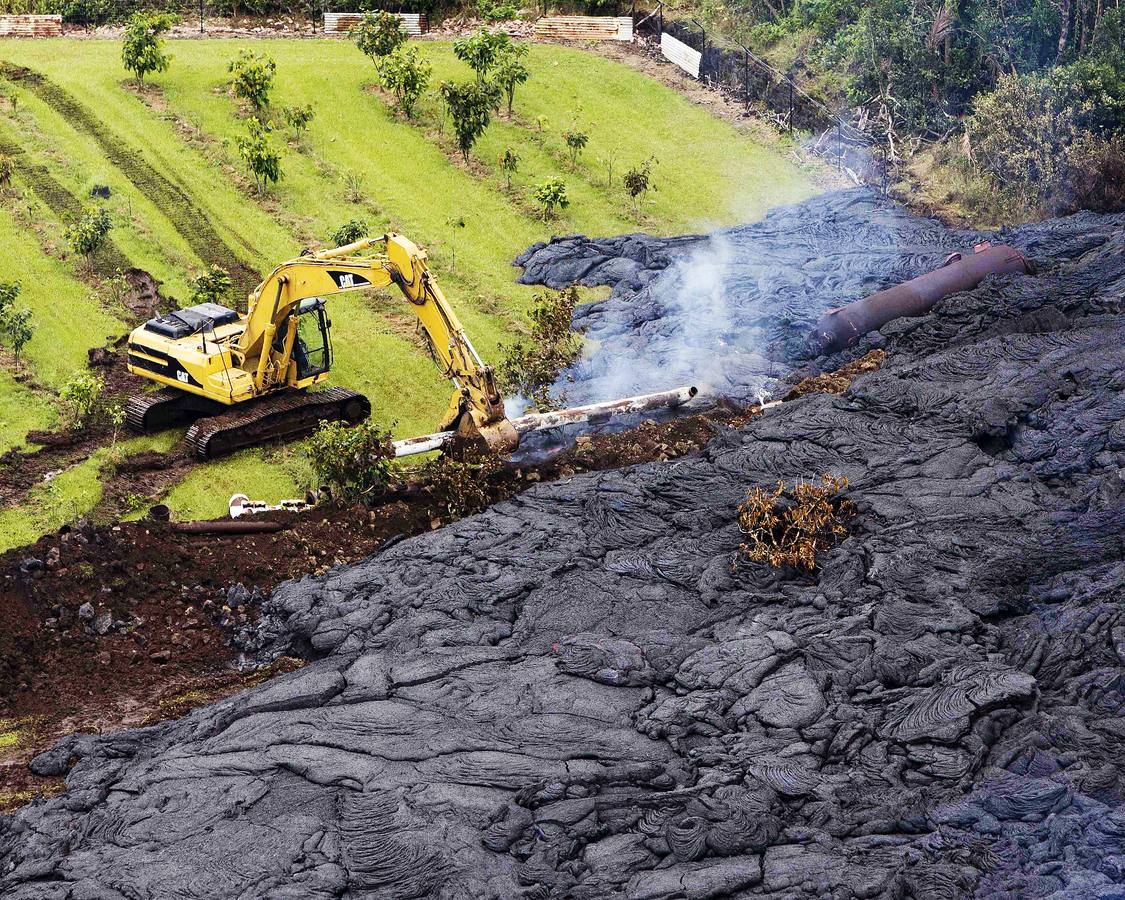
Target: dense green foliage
pixel 551 195
pixel 350 232
pixel 88 235
pixel 82 393
pixel 405 74
pixel 142 50
pixel 378 35
pixel 252 75
pixel 511 70
pixel 354 462
pixel 531 366
pixel 213 286
pixel 260 156
pixel 1038 86
pixel 470 108
pixel 298 118
pixel 482 51
pixel 16 328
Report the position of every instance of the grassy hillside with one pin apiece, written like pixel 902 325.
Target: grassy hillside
pixel 179 200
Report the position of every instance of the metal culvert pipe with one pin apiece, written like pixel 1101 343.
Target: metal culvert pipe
pixel 839 328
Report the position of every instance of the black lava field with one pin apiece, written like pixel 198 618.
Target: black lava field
pixel 579 693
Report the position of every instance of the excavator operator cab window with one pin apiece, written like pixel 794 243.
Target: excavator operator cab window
pixel 312 350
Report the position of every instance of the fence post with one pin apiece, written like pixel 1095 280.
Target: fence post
pixel 839 147
pixel 658 37
pixel 746 77
pixel 201 16
pixel 790 79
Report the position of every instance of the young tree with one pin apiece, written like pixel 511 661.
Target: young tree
pixel 511 70
pixel 470 107
pixel 576 142
pixel 16 328
pixel 82 391
pixel 258 152
pixel 531 367
pixel 88 235
pixel 551 195
pixel 252 77
pixel 298 118
pixel 509 163
pixel 142 50
pixel 406 75
pixel 482 51
pixel 378 35
pixel 7 170
pixel 350 232
pixel 213 286
pixel 638 181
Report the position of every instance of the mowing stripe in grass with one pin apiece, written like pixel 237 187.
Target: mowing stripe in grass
pixel 188 219
pixel 66 207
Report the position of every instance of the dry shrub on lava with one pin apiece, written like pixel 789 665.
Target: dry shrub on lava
pixel 789 526
pixel 465 481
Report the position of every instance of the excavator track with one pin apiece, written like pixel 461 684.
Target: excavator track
pixel 155 411
pixel 282 416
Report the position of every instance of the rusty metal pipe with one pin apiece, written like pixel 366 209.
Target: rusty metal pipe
pixel 839 328
pixel 594 413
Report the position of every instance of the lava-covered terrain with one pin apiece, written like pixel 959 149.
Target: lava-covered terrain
pixel 582 693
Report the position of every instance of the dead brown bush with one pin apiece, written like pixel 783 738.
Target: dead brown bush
pixel 466 482
pixel 789 526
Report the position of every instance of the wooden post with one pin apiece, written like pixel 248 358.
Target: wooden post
pixel 790 77
pixel 746 76
pixel 839 148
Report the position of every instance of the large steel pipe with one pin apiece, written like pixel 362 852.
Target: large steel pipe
pixel 839 328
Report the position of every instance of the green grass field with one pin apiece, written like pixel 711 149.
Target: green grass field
pixel 179 201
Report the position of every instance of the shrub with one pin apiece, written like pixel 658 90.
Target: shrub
pixel 355 462
pixel 638 181
pixel 497 10
pixel 482 51
pixel 551 195
pixel 378 35
pixel 350 232
pixel 260 156
pixel 509 163
pixel 405 74
pixel 7 170
pixel 464 483
pixel 789 526
pixel 88 235
pixel 16 328
pixel 511 70
pixel 82 392
pixel 298 118
pixel 142 50
pixel 470 108
pixel 576 142
pixel 213 286
pixel 531 367
pixel 252 76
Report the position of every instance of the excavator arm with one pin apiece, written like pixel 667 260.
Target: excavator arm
pixel 265 347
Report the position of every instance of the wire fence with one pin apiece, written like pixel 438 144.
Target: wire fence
pixel 737 72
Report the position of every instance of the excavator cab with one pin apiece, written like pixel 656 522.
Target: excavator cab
pixel 312 349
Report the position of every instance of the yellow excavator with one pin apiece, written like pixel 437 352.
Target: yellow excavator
pixel 244 379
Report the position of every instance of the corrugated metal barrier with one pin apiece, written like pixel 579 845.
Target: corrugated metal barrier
pixel 413 24
pixel 31 26
pixel 679 53
pixel 585 28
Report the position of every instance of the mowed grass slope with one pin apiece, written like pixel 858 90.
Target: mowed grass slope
pixel 707 174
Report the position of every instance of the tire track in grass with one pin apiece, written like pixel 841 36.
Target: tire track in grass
pixel 188 219
pixel 66 207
